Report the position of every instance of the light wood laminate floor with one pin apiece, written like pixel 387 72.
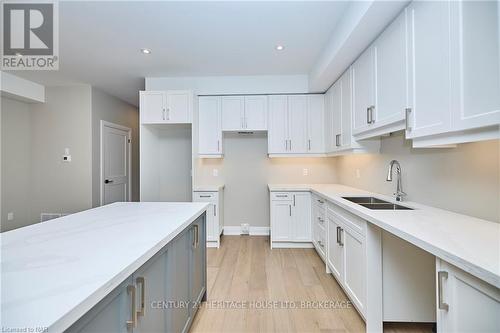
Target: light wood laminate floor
pixel 245 272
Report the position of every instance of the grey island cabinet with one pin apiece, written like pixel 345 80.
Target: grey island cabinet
pixel 161 295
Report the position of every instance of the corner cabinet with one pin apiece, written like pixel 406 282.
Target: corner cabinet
pixel 166 107
pixel 465 303
pixel 209 127
pixel 290 219
pixel 161 296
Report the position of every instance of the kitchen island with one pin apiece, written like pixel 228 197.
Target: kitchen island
pixel 122 267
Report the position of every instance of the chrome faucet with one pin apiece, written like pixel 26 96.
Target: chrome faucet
pixel 399 187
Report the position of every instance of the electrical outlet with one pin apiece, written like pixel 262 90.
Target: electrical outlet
pixel 245 229
pixel 305 172
pixel 358 174
pixel 216 172
pixel 10 216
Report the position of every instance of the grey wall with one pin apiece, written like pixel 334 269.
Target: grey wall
pixel 63 121
pixel 111 109
pixel 465 179
pixel 246 170
pixel 16 171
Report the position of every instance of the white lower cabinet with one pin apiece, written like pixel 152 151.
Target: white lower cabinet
pixel 290 219
pixel 465 303
pixel 346 256
pixel 215 218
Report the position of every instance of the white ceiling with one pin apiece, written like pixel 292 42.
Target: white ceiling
pixel 100 42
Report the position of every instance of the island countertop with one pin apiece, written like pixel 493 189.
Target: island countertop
pixel 467 242
pixel 52 273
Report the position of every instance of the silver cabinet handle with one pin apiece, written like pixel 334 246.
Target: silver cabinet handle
pixel 168 113
pixel 195 236
pixel 309 144
pixel 132 323
pixel 294 200
pixel 407 119
pixel 337 140
pixel 163 114
pixel 320 201
pixel 341 242
pixel 321 244
pixel 218 145
pixel 286 145
pixel 368 115
pixel 290 206
pixel 281 195
pixel 321 220
pixel 338 235
pixel 205 196
pixel 215 210
pixel 140 280
pixel 442 305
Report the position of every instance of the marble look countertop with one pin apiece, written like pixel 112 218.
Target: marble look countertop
pixel 54 272
pixel 467 242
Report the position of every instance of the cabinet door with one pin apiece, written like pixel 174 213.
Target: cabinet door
pixel 476 63
pixel 111 314
pixel 209 130
pixel 297 123
pixel 197 263
pixel 281 220
pixel 153 107
pixel 391 73
pixel 363 76
pixel 473 305
pixel 346 131
pixel 354 266
pixel 255 113
pixel 337 114
pixel 335 253
pixel 178 287
pixel 429 74
pixel 232 113
pixel 301 217
pixel 150 282
pixel 277 134
pixel 316 124
pixel 179 106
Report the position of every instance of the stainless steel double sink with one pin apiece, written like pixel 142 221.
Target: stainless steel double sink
pixel 374 203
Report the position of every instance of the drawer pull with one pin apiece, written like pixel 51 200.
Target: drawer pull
pixel 281 195
pixel 320 201
pixel 205 196
pixel 140 280
pixel 132 323
pixel 441 304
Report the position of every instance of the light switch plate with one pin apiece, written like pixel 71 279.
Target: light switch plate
pixel 305 172
pixel 10 216
pixel 216 172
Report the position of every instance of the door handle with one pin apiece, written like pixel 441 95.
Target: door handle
pixel 132 323
pixel 441 304
pixel 407 119
pixel 218 145
pixel 195 236
pixel 215 210
pixel 368 115
pixel 294 200
pixel 168 113
pixel 140 280
pixel 163 114
pixel 337 140
pixel 290 206
pixel 338 237
pixel 341 242
pixel 108 181
pixel 309 144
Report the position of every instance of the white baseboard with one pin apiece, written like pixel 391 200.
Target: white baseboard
pixel 292 245
pixel 254 231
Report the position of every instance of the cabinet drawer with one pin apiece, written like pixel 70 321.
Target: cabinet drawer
pixel 350 220
pixel 205 197
pixel 281 196
pixel 319 201
pixel 321 245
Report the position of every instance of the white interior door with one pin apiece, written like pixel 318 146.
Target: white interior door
pixel 115 163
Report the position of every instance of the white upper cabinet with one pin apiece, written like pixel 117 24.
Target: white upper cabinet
pixel 166 107
pixel 277 136
pixel 475 64
pixel 244 113
pixel 255 118
pixel 233 113
pixel 209 127
pixel 363 77
pixel 297 124
pixel 152 107
pixel 179 106
pixel 316 124
pixel 391 76
pixel 429 75
pixel 380 83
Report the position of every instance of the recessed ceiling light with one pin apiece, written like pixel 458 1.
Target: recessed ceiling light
pixel 146 51
pixel 280 47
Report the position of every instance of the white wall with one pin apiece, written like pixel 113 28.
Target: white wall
pixel 220 85
pixel 16 163
pixel 109 108
pixel 465 179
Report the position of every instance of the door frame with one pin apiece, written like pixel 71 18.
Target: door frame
pixel 103 124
